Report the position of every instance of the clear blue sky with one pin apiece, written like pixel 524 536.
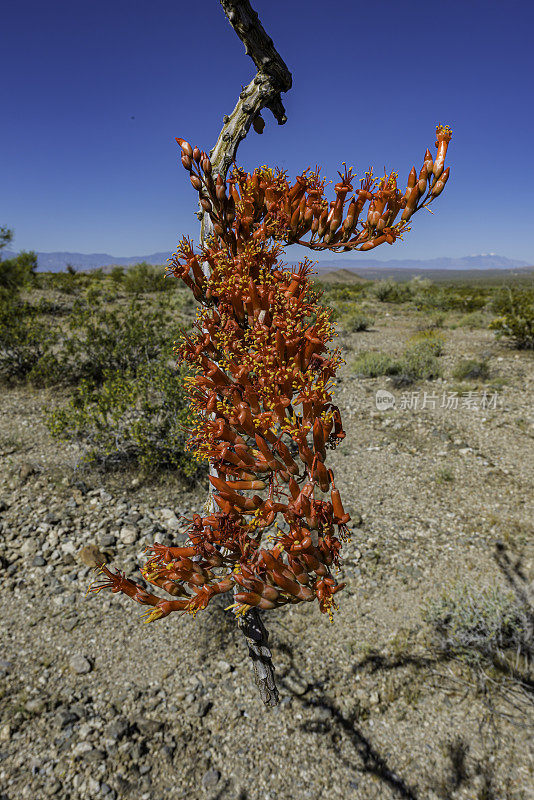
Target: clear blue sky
pixel 93 94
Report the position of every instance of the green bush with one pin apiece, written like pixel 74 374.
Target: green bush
pixel 389 291
pixel 52 308
pixel 103 341
pixel 131 420
pixel 419 363
pixel 143 278
pixel 25 343
pixel 15 273
pixel 356 321
pixel 431 339
pixel 478 624
pixel 475 319
pixel 344 293
pixel 117 275
pixel 467 298
pixel 432 321
pixel 470 369
pixel 91 343
pixel 372 364
pixel 515 322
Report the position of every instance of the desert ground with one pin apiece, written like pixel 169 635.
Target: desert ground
pixel 439 485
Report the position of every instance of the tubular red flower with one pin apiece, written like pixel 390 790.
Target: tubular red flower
pixel 259 387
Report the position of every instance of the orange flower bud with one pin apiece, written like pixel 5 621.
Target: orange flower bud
pixel 186 147
pixel 439 185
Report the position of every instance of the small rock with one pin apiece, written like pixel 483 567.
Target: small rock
pixel 107 540
pixel 65 718
pixel 93 755
pixel 38 561
pixel 93 786
pixel 224 666
pixel 70 623
pixel 201 707
pixel 296 686
pixel 128 534
pixel 82 748
pixel 148 727
pixel 36 705
pixel 26 469
pixel 5 732
pixel 52 788
pixel 211 778
pixel 118 728
pixel 91 556
pixel 79 664
pixel 170 520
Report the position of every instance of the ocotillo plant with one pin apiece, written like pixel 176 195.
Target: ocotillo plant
pixel 262 373
pixel 261 390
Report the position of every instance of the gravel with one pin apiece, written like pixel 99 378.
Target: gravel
pixel 95 704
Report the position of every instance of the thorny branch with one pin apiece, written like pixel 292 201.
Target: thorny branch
pixel 272 78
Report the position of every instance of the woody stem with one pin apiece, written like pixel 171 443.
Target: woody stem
pixel 257 637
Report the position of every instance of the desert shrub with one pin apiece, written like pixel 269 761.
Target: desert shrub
pixel 475 319
pixel 117 275
pixel 102 341
pixel 389 291
pixel 92 342
pixel 143 278
pixel 469 369
pixel 356 321
pixel 478 625
pixel 6 236
pixel 52 308
pixel 372 364
pixel 15 273
pixel 419 362
pixel 444 475
pixel 464 298
pixel 432 321
pixel 131 419
pixel 337 293
pixel 515 307
pixel 431 339
pixel 69 283
pixel 25 343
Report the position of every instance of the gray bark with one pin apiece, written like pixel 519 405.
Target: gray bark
pixel 264 91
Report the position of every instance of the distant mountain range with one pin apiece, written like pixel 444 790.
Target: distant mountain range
pixel 482 261
pixel 56 262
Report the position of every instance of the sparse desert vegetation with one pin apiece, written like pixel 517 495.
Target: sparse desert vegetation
pixel 422 687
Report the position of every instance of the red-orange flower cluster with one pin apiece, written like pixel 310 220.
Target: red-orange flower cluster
pixel 262 383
